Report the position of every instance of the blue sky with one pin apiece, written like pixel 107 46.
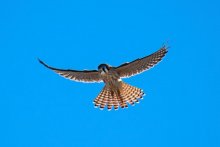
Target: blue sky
pixel 41 109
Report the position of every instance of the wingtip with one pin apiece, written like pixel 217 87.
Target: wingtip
pixel 41 62
pixel 166 47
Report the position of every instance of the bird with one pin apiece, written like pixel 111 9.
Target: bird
pixel 115 93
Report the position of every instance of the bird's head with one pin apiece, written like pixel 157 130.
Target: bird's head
pixel 103 68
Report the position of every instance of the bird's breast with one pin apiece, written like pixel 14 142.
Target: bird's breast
pixel 110 77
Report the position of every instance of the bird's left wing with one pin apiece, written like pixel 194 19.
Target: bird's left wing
pixel 142 64
pixel 80 76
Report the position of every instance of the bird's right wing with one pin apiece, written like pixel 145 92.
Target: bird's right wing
pixel 142 64
pixel 80 76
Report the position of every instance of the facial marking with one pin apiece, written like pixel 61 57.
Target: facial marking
pixel 103 68
pixel 102 72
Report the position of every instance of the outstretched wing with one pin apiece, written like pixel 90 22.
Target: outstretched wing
pixel 80 76
pixel 142 64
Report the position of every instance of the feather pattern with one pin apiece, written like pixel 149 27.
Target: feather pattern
pixel 142 64
pixel 128 95
pixel 80 76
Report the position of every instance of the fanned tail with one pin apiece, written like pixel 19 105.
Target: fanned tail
pixel 127 94
pixel 131 94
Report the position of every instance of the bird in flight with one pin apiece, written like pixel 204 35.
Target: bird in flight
pixel 115 92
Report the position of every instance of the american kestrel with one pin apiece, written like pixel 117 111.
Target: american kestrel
pixel 115 92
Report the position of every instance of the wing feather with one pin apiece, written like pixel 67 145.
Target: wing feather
pixel 80 76
pixel 141 64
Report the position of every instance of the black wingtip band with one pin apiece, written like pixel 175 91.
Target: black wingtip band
pixel 40 60
pixel 44 64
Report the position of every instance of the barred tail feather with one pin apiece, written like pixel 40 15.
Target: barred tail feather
pixel 131 94
pixel 105 98
pixel 128 94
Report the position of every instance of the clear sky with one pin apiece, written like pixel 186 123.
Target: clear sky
pixel 38 108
